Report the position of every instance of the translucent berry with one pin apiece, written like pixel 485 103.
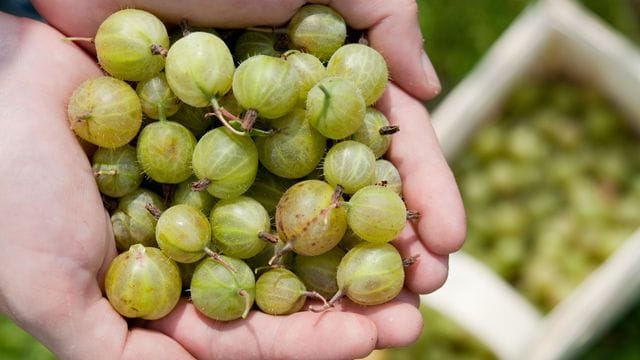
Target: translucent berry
pixel 129 44
pixel 335 107
pixel 317 29
pixel 222 294
pixel 143 283
pixel 370 274
pixel 294 149
pixel 116 170
pixel 364 66
pixel 133 222
pixel 351 165
pixel 105 111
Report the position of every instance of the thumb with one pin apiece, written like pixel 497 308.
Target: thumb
pixel 394 31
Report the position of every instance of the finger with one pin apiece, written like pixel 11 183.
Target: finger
pixel 428 183
pixel 398 322
pixel 302 335
pixel 49 173
pixel 148 344
pixel 429 271
pixel 52 187
pixel 393 26
pixel 393 29
pixel 83 18
pixel 223 13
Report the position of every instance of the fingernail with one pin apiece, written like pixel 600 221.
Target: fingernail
pixel 430 73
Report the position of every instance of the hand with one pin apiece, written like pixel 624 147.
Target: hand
pixel 392 26
pixel 57 238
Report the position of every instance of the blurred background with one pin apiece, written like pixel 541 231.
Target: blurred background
pixel 550 181
pixel 542 234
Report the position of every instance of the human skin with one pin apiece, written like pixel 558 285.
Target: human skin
pixel 56 235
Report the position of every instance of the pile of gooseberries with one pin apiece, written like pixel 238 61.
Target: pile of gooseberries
pixel 242 167
pixel 551 187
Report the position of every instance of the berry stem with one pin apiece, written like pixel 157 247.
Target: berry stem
pixel 200 185
pixel 226 113
pixel 218 114
pixel 111 172
pixel 324 90
pixel 389 130
pixel 154 211
pixel 185 28
pixel 382 183
pixel 217 257
pixel 285 249
pixel 260 132
pixel 237 122
pixel 268 267
pixel 337 195
pixel 326 101
pixel 316 295
pixel 72 38
pixel 287 53
pixel 263 235
pixel 249 119
pixel 162 114
pixel 406 262
pixel 329 304
pixel 247 302
pixel 157 49
pixel 336 202
pixel 337 296
pixel 413 214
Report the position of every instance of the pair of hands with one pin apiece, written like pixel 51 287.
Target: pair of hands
pixel 56 236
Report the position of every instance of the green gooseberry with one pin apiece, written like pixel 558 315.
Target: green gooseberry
pixel 238 226
pixel 130 44
pixel 309 219
pixel 156 97
pixel 105 111
pixel 335 107
pixel 376 214
pixel 134 222
pixel 370 274
pixel 363 65
pixel 222 294
pixel 317 29
pixel 116 170
pixel 280 292
pixel 350 164
pixel 266 85
pixel 143 283
pixel 183 233
pixel 164 150
pixel 318 273
pixel 294 149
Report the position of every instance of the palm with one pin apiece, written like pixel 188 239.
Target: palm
pixel 57 237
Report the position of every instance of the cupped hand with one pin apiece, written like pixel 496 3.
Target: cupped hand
pixel 57 236
pixel 351 330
